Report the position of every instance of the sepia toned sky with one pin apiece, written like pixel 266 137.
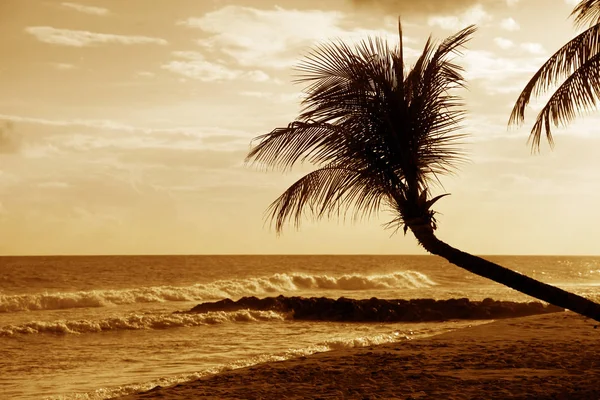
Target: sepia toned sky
pixel 124 126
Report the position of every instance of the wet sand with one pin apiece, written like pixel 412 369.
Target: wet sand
pixel 552 356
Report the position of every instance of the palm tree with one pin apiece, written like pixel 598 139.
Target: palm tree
pixel 380 134
pixel 576 66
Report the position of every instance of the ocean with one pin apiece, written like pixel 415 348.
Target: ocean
pixel 98 327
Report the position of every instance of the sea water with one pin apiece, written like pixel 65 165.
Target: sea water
pixel 100 327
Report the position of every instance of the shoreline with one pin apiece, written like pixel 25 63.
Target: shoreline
pixel 548 356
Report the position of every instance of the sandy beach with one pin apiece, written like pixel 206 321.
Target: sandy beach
pixel 553 356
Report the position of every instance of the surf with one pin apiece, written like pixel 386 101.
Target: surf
pixel 278 283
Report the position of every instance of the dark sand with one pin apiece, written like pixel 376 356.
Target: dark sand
pixel 553 356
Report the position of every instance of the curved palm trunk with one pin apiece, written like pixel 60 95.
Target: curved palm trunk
pixel 514 280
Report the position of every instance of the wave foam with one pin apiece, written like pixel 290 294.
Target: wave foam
pixel 277 283
pixel 140 322
pixel 332 344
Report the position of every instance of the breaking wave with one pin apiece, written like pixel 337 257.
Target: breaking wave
pixel 140 322
pixel 277 283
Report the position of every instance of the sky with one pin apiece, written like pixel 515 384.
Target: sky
pixel 124 126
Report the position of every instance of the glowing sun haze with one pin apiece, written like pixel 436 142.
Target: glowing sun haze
pixel 124 125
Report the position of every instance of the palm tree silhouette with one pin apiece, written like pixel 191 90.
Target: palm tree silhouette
pixel 380 134
pixel 576 66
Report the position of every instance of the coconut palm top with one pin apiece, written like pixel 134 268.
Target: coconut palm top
pixel 377 131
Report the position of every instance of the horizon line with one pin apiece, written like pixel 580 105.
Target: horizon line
pixel 284 254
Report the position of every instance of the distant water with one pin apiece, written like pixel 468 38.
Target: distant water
pixel 99 327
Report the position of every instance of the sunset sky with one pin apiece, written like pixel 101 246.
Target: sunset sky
pixel 124 126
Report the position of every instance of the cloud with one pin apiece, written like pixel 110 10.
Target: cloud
pixel 503 43
pixel 494 72
pixel 188 137
pixel 426 7
pixel 86 9
pixel 99 124
pixel 474 15
pixel 510 24
pixel 415 7
pixel 273 38
pixel 73 38
pixel 40 150
pixel 265 38
pixel 202 70
pixel 533 48
pixel 145 74
pixel 194 65
pixel 63 66
pixel 274 97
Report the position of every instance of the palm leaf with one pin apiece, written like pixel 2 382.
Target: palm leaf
pixel 560 65
pixel 587 12
pixel 579 92
pixel 326 192
pixel 576 60
pixel 378 135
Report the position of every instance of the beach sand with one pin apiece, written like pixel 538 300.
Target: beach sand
pixel 553 356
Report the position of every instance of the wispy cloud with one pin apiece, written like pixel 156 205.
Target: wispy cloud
pixel 74 38
pixel 63 66
pixel 273 38
pixel 145 74
pixel 504 43
pixel 274 97
pixel 412 7
pixel 195 66
pixel 533 48
pixel 86 9
pixel 474 15
pixel 509 24
pixel 495 72
pixel 218 138
pixel 265 38
pixel 98 124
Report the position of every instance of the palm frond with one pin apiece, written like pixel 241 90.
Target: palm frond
pixel 574 68
pixel 587 12
pixel 299 141
pixel 377 133
pixel 579 92
pixel 568 59
pixel 326 192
